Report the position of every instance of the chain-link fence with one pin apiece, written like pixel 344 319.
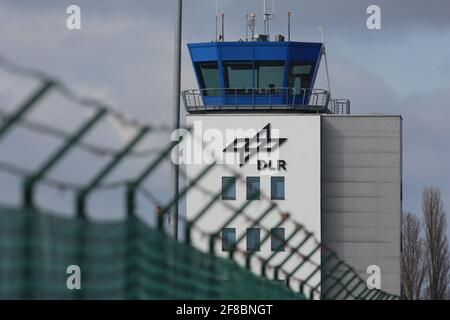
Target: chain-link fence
pixel 129 258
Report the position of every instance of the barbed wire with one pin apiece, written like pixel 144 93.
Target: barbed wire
pixel 127 121
pixel 267 230
pixel 239 177
pixel 95 149
pixel 71 95
pixel 205 234
pixel 150 196
pixel 289 246
pixel 276 207
pixel 58 184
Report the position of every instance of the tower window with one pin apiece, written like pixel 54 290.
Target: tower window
pixel 208 77
pixel 238 76
pixel 300 75
pixel 253 239
pixel 277 239
pixel 228 188
pixel 269 75
pixel 228 239
pixel 253 188
pixel 277 188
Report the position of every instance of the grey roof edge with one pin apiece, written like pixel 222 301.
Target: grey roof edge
pixel 300 114
pixel 374 115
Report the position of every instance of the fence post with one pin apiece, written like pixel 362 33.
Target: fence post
pixel 56 157
pixel 266 262
pixel 83 193
pixel 26 106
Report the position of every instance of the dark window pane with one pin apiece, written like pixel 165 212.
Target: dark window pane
pixel 208 76
pixel 228 188
pixel 277 188
pixel 253 239
pixel 300 74
pixel 269 74
pixel 253 188
pixel 228 239
pixel 238 75
pixel 277 239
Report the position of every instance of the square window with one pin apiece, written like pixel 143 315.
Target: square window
pixel 228 188
pixel 269 74
pixel 253 188
pixel 208 76
pixel 238 76
pixel 228 239
pixel 253 239
pixel 277 239
pixel 277 188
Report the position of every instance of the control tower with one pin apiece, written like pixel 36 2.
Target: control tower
pixel 259 76
pixel 279 139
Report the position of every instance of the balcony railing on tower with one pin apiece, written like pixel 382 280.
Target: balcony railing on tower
pixel 263 99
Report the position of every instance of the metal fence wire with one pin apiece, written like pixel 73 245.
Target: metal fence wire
pixel 120 260
pixel 129 259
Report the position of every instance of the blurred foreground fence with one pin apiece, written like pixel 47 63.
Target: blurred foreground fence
pixel 130 259
pixel 120 260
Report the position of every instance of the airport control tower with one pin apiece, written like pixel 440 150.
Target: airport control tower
pixel 283 140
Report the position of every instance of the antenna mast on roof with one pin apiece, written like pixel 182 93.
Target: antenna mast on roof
pixel 251 23
pixel 217 20
pixel 267 17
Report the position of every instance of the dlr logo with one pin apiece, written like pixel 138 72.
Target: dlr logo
pixel 272 166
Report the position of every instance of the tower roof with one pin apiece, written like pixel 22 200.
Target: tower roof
pixel 276 76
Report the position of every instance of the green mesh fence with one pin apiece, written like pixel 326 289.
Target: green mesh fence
pixel 128 259
pixel 120 260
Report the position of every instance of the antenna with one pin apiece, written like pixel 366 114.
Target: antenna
pixel 222 37
pixel 289 26
pixel 246 26
pixel 251 23
pixel 321 31
pixel 217 20
pixel 267 17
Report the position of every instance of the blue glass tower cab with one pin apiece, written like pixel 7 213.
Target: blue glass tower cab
pixel 259 75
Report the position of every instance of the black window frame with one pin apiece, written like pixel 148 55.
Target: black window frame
pixel 250 195
pixel 266 63
pixel 226 79
pixel 226 246
pixel 296 63
pixel 281 245
pixel 206 90
pixel 272 188
pixel 233 186
pixel 250 235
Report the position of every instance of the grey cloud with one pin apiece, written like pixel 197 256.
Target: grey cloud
pixel 340 17
pixel 125 53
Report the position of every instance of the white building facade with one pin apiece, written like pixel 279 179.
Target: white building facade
pixel 338 177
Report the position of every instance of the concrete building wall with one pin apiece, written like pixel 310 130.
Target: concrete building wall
pixel 361 193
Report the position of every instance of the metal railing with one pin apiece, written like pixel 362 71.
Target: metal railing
pixel 245 99
pixel 339 106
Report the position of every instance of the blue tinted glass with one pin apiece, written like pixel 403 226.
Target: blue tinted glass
pixel 228 239
pixel 238 74
pixel 277 239
pixel 253 239
pixel 228 188
pixel 277 188
pixel 300 75
pixel 270 74
pixel 253 188
pixel 208 76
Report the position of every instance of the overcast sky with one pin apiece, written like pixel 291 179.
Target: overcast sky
pixel 123 54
